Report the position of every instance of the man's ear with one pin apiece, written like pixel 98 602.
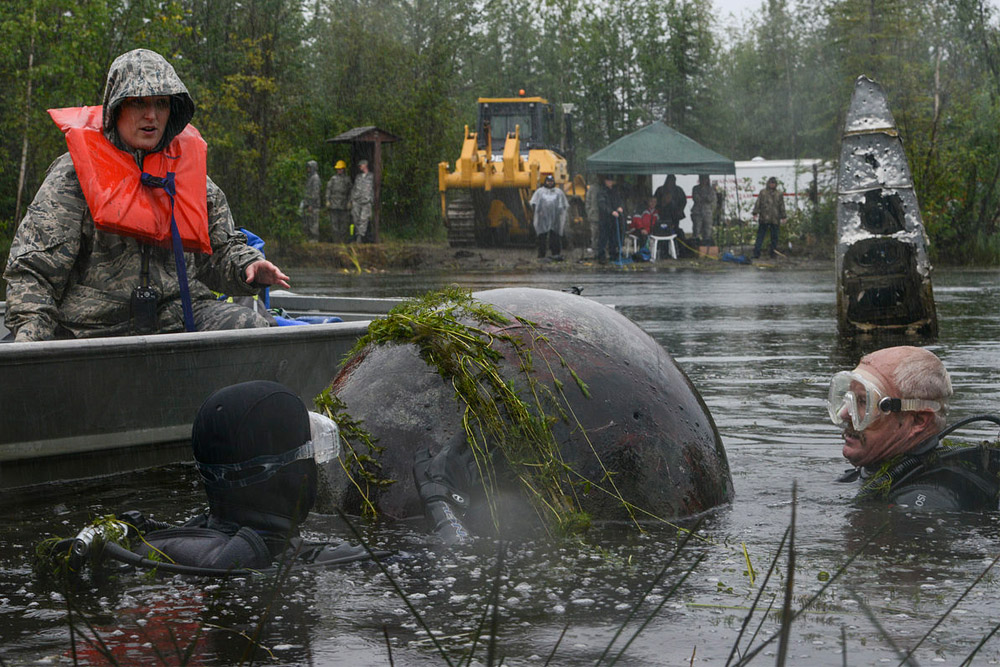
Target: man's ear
pixel 923 421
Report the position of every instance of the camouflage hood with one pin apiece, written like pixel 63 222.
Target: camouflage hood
pixel 144 73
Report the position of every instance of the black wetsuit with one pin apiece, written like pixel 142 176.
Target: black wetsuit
pixel 219 548
pixel 936 477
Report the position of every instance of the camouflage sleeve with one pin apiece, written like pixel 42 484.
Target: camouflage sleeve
pixel 43 253
pixel 312 191
pixel 330 192
pixel 225 269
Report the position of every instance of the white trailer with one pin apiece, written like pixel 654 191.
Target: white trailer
pixel 795 178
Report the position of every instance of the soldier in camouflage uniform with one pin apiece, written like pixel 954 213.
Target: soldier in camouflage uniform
pixel 311 203
pixel 593 214
pixel 338 193
pixel 65 278
pixel 362 197
pixel 702 210
pixel 769 211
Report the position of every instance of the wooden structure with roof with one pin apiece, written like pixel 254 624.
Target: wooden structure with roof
pixel 366 144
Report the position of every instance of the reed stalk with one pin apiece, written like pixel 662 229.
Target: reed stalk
pixel 786 609
pixel 418 617
pixel 808 603
pixel 656 611
pixel 649 589
pixel 870 613
pixel 982 642
pixel 756 601
pixel 388 644
pixel 952 607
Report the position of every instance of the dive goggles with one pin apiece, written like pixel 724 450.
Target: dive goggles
pixel 858 393
pixel 323 446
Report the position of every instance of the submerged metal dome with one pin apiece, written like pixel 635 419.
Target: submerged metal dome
pixel 643 424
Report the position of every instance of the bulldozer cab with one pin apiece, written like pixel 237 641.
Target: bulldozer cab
pixel 499 116
pixel 485 201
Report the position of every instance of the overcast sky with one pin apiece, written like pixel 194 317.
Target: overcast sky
pixel 737 7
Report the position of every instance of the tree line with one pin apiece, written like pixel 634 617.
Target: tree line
pixel 274 79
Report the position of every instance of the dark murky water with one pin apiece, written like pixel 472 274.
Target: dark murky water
pixel 760 346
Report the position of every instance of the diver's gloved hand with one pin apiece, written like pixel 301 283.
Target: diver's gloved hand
pixel 445 482
pixel 449 475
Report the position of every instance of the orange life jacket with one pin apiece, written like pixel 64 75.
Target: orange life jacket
pixel 119 202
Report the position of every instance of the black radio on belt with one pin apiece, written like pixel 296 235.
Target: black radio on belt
pixel 144 309
pixel 144 300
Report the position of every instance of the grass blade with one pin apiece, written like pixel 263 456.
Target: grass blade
pixel 475 637
pixel 756 631
pixel 656 611
pixel 808 603
pixel 97 642
pixel 982 642
pixel 953 605
pixel 649 589
pixel 554 648
pixel 491 652
pixel 881 630
pixel 786 608
pixel 756 601
pixel 388 645
pixel 395 585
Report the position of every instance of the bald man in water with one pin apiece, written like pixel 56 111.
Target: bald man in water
pixel 892 409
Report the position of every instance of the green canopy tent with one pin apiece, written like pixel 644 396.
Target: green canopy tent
pixel 658 149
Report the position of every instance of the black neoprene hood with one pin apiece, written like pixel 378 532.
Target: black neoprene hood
pixel 244 421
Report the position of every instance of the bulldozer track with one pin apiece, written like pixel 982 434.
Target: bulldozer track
pixel 461 219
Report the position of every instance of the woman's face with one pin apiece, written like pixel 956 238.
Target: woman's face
pixel 142 121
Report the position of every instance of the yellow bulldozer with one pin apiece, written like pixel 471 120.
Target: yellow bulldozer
pixel 485 200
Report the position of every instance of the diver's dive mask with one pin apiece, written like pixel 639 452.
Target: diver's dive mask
pixel 323 446
pixel 858 393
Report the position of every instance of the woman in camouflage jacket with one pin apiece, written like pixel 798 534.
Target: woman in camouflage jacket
pixel 66 278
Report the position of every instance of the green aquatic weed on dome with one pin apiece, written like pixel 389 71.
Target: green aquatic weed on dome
pixel 457 336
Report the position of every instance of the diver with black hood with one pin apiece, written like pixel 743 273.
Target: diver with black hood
pixel 257 449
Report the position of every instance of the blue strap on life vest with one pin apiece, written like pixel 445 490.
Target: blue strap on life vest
pixel 168 185
pixel 257 243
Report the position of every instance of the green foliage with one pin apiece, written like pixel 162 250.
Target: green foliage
pixel 506 418
pixel 819 221
pixel 360 458
pixel 286 183
pixel 274 79
pixel 7 228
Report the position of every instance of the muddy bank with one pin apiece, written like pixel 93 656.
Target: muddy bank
pixel 424 256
